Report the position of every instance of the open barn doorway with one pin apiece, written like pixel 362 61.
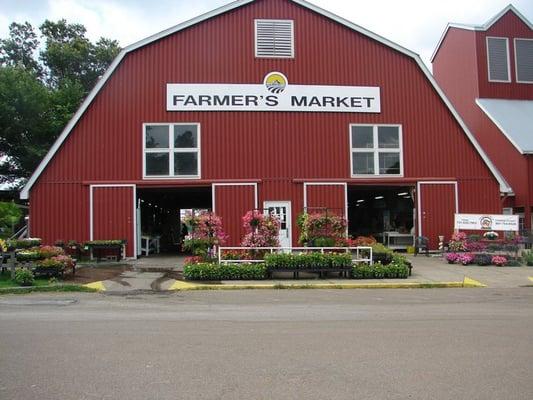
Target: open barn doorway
pixel 384 212
pixel 159 216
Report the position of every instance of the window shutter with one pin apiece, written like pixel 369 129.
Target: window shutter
pixel 498 59
pixel 274 38
pixel 524 60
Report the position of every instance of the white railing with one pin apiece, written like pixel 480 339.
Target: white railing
pixel 362 253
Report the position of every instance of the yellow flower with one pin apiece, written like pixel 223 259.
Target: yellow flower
pixel 3 246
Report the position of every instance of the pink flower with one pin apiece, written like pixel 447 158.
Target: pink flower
pixel 499 261
pixel 465 258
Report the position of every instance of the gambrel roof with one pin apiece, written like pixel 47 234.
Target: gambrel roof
pixel 504 187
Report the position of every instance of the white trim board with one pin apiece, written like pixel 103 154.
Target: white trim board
pixel 482 28
pixel 213 192
pixel 24 194
pixel 91 210
pixel 419 199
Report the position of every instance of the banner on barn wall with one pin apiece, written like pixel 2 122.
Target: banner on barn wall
pixel 275 94
pixel 486 222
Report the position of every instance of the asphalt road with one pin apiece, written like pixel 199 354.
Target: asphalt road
pixel 297 344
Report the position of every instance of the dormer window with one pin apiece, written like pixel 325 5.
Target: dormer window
pixel 498 59
pixel 274 38
pixel 524 60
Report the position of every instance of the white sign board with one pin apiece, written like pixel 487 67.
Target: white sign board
pixel 486 222
pixel 275 94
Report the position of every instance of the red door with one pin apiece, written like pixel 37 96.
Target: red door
pixel 437 205
pixel 112 215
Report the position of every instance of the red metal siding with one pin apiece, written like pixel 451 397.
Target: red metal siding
pixel 106 143
pixel 437 211
pixel 60 211
pixel 509 26
pixel 331 197
pixel 479 197
pixel 231 203
pixel 455 69
pixel 113 215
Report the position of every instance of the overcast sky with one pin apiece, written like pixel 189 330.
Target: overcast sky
pixel 415 24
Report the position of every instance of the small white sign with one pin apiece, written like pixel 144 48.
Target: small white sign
pixel 486 222
pixel 275 94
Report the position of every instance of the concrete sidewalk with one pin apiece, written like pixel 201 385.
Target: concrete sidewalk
pixel 164 274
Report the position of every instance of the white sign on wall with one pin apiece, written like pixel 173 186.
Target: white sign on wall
pixel 486 222
pixel 275 94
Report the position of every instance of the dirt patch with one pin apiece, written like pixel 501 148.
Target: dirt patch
pixel 92 274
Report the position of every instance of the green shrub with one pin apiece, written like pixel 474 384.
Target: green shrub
pixel 513 262
pixel 23 243
pixel 394 270
pixel 28 255
pixel 323 242
pixel 380 248
pixel 218 272
pixel 528 258
pixel 23 277
pixel 307 261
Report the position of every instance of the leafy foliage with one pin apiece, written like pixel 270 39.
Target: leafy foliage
pixel 10 215
pixel 218 272
pixel 307 261
pixel 24 277
pixel 40 92
pixel 320 225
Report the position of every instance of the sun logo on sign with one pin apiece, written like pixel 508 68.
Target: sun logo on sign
pixel 486 222
pixel 276 82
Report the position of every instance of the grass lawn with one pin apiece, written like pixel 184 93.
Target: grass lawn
pixel 7 285
pixel 7 282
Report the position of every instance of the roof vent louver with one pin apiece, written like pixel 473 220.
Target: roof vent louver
pixel 274 38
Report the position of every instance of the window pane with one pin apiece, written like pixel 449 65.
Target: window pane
pixel 363 163
pixel 524 60
pixel 157 164
pixel 388 137
pixel 185 136
pixel 185 163
pixel 362 137
pixel 389 163
pixel 157 137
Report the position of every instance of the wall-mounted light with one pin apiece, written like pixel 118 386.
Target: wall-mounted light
pixel 378 197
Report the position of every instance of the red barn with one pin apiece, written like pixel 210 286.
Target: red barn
pixel 487 73
pixel 266 104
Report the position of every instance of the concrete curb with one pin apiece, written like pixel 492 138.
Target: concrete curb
pixel 185 286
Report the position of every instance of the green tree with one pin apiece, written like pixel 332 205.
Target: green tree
pixel 10 215
pixel 38 96
pixel 18 50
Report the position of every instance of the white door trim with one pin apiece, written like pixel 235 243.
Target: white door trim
pixel 213 192
pixel 288 205
pixel 134 210
pixel 419 198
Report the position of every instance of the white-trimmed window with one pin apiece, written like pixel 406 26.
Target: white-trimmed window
pixel 523 52
pixel 376 150
pixel 274 38
pixel 171 150
pixel 498 59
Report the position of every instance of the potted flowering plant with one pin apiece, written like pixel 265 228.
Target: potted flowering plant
pixel 465 258
pixel 499 261
pixel 261 230
pixel 451 257
pixel 320 229
pixel 205 233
